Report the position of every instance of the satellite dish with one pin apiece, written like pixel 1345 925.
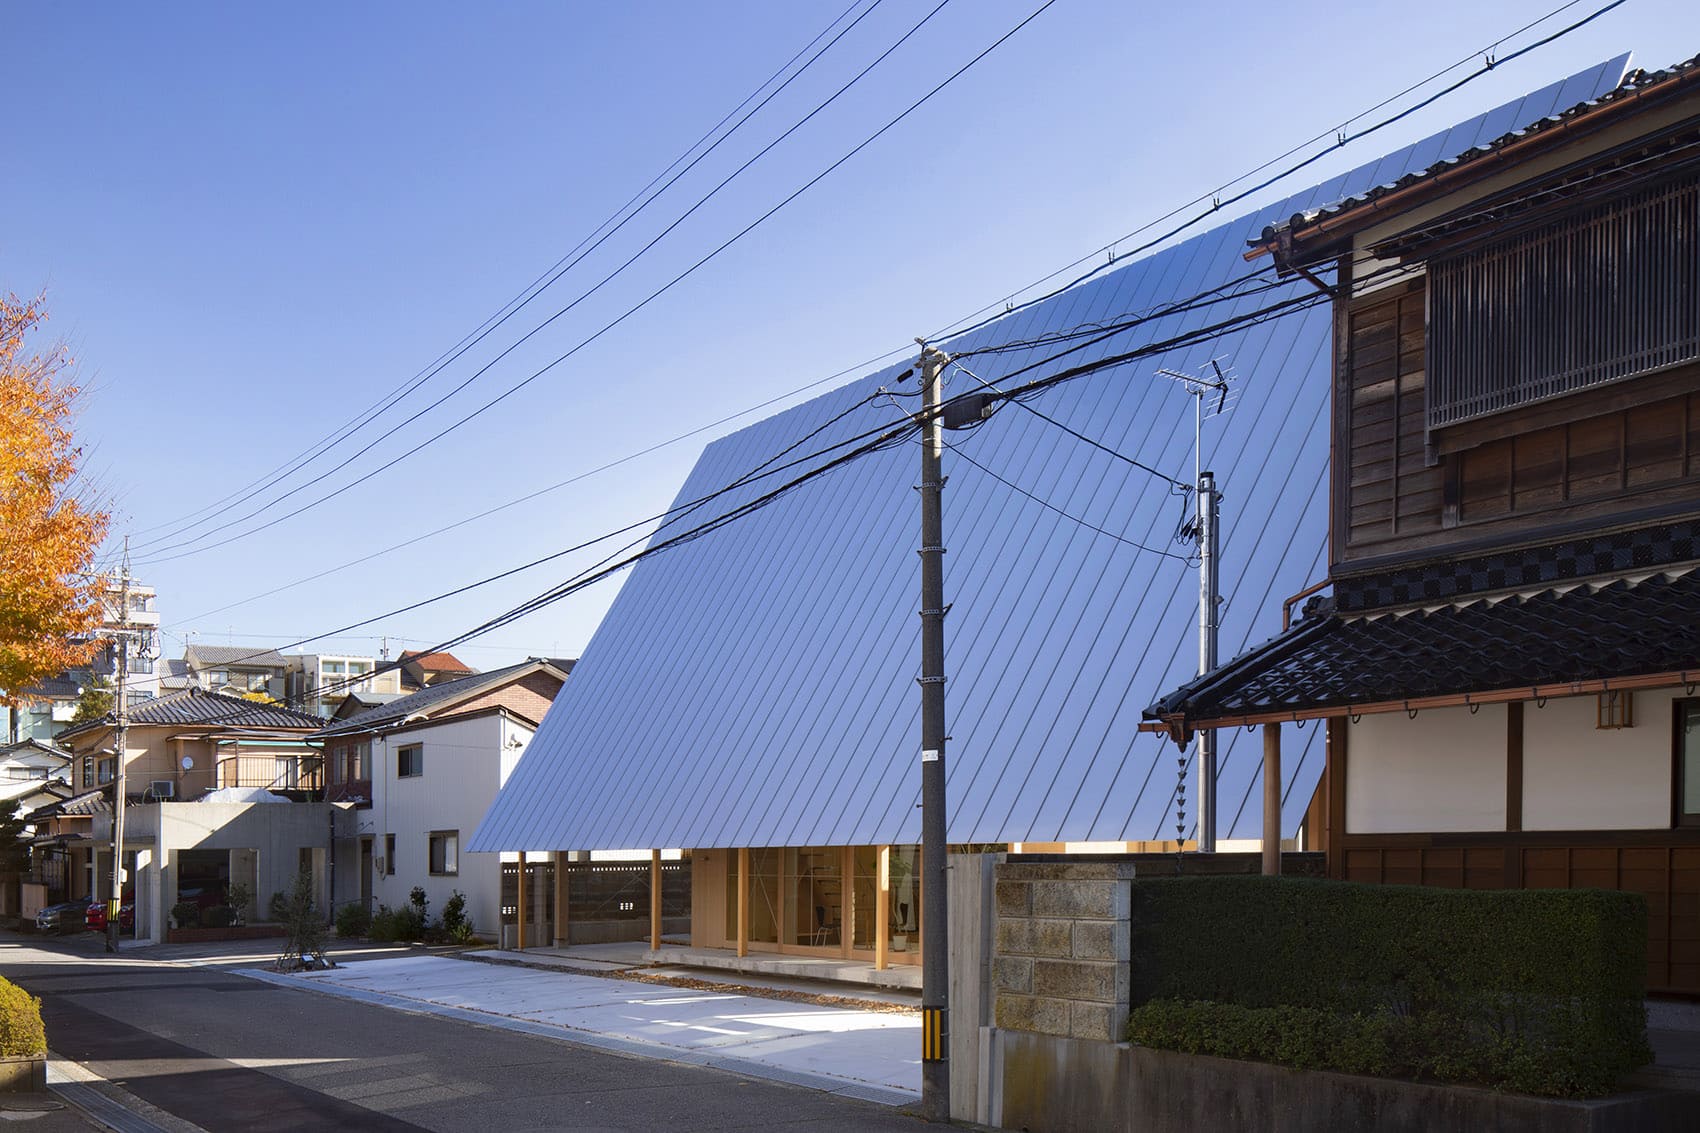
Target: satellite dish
pixel 188 763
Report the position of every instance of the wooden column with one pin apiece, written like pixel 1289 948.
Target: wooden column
pixel 561 899
pixel 743 900
pixel 1335 750
pixel 520 903
pixel 1514 765
pixel 1271 800
pixel 882 909
pixel 655 900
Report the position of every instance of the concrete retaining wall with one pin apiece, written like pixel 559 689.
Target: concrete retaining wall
pixel 1053 1084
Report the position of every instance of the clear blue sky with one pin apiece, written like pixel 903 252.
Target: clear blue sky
pixel 253 221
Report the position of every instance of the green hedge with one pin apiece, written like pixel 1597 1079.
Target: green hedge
pixel 1533 990
pixel 21 1032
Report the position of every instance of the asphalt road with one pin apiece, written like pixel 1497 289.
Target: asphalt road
pixel 229 1053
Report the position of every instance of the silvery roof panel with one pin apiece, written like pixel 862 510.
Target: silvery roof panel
pixel 756 686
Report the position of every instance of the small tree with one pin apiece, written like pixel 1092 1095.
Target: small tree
pixel 14 851
pixel 51 599
pixel 94 702
pixel 303 926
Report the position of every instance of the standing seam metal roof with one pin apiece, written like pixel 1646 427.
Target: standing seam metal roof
pixel 755 687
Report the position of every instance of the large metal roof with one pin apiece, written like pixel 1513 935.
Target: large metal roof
pixel 756 686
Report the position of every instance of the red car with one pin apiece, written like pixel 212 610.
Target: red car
pixel 95 918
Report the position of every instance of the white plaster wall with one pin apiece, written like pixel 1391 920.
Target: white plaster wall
pixel 1444 770
pixel 463 765
pixel 1577 776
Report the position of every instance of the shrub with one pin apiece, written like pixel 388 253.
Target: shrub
pixel 21 1032
pixel 218 916
pixel 454 914
pixel 353 920
pixel 403 924
pixel 1532 990
pixel 239 898
pixel 186 914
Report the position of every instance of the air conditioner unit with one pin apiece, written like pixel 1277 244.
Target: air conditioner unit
pixel 162 789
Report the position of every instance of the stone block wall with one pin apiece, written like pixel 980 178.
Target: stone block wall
pixel 1060 964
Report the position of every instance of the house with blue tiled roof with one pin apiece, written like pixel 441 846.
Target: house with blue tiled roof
pixel 750 697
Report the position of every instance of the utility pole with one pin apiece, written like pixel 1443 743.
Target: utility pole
pixel 935 935
pixel 120 738
pixel 1206 526
pixel 1209 619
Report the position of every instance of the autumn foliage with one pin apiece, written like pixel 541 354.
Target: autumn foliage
pixel 48 537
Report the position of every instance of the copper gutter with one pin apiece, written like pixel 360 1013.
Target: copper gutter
pixel 1178 725
pixel 1474 169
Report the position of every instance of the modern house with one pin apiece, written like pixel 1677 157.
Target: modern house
pixel 1508 662
pixel 420 770
pixel 318 682
pixel 750 697
pixel 218 790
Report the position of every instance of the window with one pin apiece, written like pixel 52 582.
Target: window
pixel 1688 763
pixel 410 761
pixel 88 772
pixel 363 760
pixel 445 852
pixel 138 662
pixel 389 854
pixel 108 768
pixel 219 677
pixel 257 681
pixel 1616 709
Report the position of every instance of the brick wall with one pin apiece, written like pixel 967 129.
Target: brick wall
pixel 530 697
pixel 1060 962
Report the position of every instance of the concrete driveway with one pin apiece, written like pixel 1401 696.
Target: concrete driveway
pixel 868 1054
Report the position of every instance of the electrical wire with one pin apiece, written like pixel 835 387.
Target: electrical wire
pixel 1046 504
pixel 1218 202
pixel 160 553
pixel 549 276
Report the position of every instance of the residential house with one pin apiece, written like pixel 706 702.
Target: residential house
pixel 1507 664
pixel 44 710
pixel 420 771
pixel 750 697
pixel 318 682
pixel 420 669
pixel 236 669
pixel 218 790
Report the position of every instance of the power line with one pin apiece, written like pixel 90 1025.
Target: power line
pixel 1066 515
pixel 546 279
pixel 592 291
pixel 1218 202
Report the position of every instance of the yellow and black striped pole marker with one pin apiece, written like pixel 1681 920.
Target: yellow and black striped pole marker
pixel 934 1034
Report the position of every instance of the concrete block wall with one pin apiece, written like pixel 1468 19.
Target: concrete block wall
pixel 1061 950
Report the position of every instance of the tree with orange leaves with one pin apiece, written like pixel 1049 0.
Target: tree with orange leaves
pixel 49 598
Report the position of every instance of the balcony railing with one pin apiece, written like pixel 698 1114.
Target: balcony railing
pixel 356 791
pixel 303 774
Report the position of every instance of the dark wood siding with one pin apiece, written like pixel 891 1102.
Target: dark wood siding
pixel 1389 491
pixel 1626 453
pixel 1662 867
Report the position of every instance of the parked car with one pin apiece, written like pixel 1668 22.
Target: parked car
pixel 95 917
pixel 67 916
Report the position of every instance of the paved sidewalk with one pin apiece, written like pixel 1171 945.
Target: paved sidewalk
pixel 873 1055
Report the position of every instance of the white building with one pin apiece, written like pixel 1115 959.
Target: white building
pixel 421 771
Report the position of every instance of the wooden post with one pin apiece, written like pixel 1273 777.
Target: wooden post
pixel 743 900
pixel 882 909
pixel 520 902
pixel 560 898
pixel 655 900
pixel 1271 800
